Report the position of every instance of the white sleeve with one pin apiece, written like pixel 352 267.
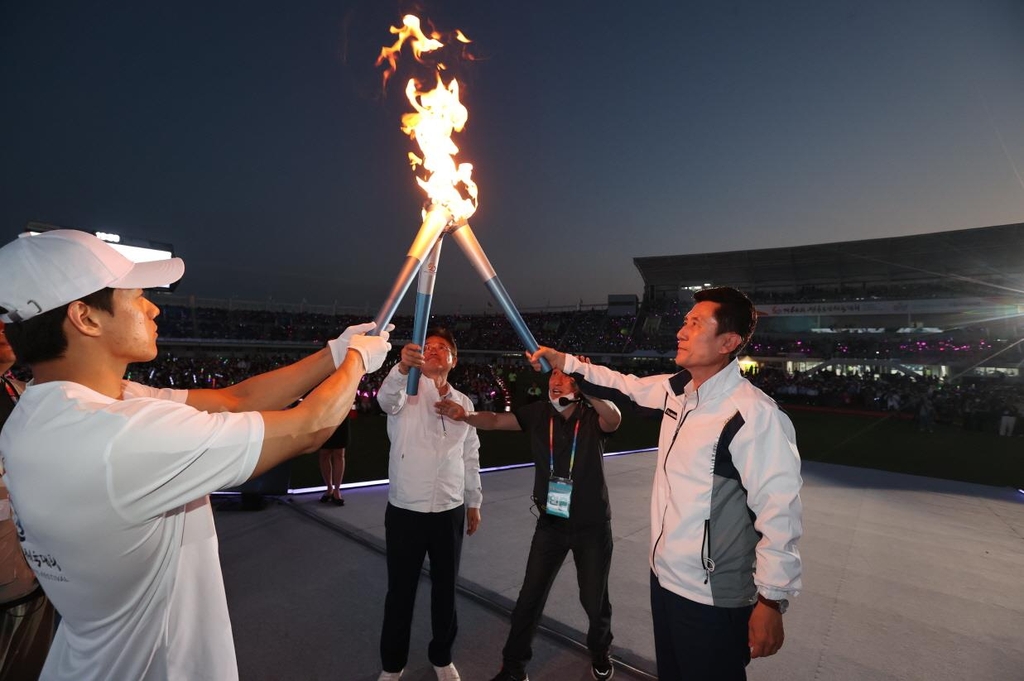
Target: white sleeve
pixel 164 455
pixel 471 458
pixel 766 457
pixel 392 396
pixel 130 390
pixel 647 392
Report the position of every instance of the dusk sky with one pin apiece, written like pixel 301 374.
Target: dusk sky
pixel 253 135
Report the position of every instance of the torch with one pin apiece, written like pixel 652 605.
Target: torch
pixel 424 296
pixel 436 114
pixel 430 233
pixel 464 236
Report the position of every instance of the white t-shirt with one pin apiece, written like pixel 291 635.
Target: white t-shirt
pixel 111 499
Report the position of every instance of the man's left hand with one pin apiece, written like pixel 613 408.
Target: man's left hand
pixel 472 520
pixel 764 631
pixel 555 358
pixel 451 409
pixel 339 346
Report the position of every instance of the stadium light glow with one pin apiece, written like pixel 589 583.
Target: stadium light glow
pixel 132 252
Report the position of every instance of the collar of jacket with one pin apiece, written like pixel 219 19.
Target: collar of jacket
pixel 722 382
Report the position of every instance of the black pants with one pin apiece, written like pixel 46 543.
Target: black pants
pixel 592 552
pixel 697 642
pixel 410 536
pixel 26 630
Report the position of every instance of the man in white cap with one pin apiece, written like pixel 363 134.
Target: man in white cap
pixel 109 479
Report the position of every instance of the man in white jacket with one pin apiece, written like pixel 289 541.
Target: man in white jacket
pixel 725 508
pixel 434 497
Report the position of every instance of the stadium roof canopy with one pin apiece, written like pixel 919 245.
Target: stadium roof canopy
pixel 990 255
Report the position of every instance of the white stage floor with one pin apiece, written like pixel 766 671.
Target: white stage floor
pixel 904 578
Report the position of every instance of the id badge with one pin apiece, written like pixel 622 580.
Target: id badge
pixel 559 496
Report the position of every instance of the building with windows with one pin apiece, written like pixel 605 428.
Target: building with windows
pixel 947 304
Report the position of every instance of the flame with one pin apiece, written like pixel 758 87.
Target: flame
pixel 436 115
pixel 420 43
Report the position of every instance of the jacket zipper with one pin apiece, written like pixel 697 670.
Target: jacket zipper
pixel 705 552
pixel 664 468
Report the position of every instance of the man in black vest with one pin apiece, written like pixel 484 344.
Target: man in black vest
pixel 567 434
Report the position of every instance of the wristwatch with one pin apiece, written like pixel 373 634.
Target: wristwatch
pixel 780 606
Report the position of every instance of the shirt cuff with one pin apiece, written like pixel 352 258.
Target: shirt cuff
pixel 775 594
pixel 571 365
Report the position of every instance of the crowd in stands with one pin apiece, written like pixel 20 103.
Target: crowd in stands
pixel 586 331
pixel 581 330
pixel 499 381
pixel 486 384
pixel 974 405
pixel 495 376
pixel 959 352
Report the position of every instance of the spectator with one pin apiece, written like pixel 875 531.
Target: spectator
pixel 331 456
pixel 1008 419
pixel 926 415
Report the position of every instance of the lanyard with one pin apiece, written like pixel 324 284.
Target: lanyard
pixel 444 429
pixel 551 445
pixel 12 392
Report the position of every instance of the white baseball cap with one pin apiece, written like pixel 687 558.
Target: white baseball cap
pixel 40 273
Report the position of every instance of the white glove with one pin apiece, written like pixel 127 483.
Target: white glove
pixel 339 346
pixel 373 349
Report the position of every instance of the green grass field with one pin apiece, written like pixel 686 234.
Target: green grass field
pixel 852 440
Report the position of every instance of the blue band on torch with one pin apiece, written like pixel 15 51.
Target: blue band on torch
pixel 419 337
pixel 424 295
pixel 464 237
pixel 497 290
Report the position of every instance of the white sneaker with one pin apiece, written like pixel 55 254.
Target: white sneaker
pixel 390 676
pixel 449 673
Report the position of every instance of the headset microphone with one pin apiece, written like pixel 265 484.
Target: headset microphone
pixel 566 401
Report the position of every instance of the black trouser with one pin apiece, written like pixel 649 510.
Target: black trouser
pixel 26 630
pixel 697 642
pixel 592 552
pixel 410 536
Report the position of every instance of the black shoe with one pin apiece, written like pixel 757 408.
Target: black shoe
pixel 602 670
pixel 325 499
pixel 506 675
pixel 337 501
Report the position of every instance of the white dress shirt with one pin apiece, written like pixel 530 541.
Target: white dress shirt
pixel 435 462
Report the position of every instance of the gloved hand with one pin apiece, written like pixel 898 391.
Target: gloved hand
pixel 373 349
pixel 339 346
